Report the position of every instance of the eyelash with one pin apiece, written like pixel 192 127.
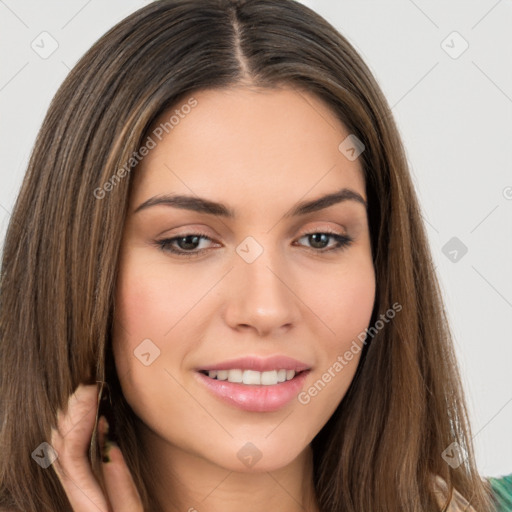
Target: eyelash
pixel 342 241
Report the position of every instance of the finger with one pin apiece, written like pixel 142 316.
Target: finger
pixel 121 489
pixel 71 440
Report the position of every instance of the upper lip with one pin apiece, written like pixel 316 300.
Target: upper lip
pixel 260 364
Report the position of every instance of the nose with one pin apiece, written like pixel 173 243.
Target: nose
pixel 261 296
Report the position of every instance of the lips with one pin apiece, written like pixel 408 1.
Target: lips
pixel 254 383
pixel 255 398
pixel 259 364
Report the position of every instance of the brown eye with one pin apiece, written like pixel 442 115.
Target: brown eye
pixel 187 245
pixel 183 245
pixel 319 241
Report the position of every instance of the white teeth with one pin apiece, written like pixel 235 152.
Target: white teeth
pixel 252 377
pixel 235 376
pixel 269 378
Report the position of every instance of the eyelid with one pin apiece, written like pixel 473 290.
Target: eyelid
pixel 342 241
pixel 199 231
pixel 323 229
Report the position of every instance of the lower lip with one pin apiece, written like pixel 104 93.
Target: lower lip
pixel 253 397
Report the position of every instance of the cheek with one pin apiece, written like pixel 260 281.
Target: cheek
pixel 150 302
pixel 352 307
pixel 156 313
pixel 345 309
pixel 137 311
pixel 146 310
pixel 345 302
pixel 143 311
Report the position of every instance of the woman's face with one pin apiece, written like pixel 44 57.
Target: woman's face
pixel 256 284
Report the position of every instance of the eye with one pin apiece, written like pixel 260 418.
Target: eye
pixel 187 245
pixel 319 239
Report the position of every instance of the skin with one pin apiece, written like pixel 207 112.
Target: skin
pixel 260 152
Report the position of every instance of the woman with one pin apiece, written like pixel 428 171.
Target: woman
pixel 218 226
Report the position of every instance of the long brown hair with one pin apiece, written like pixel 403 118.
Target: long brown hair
pixel 384 443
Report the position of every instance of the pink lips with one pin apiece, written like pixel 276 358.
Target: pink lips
pixel 259 364
pixel 256 398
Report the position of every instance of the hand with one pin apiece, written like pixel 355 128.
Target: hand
pixel 71 441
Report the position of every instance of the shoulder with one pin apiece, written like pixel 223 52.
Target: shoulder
pixel 502 489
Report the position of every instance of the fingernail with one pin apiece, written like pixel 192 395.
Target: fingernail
pixel 106 444
pixel 105 409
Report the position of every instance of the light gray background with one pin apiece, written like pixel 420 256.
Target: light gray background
pixel 455 117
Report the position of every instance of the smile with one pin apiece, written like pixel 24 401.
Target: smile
pixel 252 377
pixel 254 391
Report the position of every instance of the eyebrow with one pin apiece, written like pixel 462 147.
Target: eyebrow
pixel 201 205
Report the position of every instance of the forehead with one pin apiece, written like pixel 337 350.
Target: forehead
pixel 247 101
pixel 268 141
